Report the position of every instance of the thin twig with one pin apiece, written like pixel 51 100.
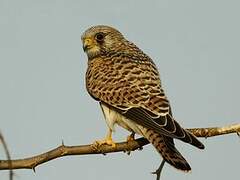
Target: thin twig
pixel 159 170
pixel 8 156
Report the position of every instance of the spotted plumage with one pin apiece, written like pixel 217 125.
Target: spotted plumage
pixel 126 82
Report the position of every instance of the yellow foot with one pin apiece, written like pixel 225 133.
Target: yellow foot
pixel 109 142
pixel 130 137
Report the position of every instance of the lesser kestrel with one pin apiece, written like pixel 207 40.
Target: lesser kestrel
pixel 126 83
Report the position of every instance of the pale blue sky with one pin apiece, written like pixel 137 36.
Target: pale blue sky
pixel 43 100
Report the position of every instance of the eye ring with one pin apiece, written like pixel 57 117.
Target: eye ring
pixel 99 37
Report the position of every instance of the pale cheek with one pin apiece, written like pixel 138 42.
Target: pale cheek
pixel 93 52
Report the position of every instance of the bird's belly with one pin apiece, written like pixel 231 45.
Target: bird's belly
pixel 129 125
pixel 112 117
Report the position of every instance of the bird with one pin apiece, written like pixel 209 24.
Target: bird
pixel 126 83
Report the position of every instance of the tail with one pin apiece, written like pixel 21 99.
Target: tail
pixel 165 146
pixel 181 133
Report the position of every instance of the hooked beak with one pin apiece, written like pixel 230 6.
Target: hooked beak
pixel 87 43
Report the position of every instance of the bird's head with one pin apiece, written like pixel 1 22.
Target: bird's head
pixel 101 39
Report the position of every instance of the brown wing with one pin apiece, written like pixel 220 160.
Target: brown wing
pixel 131 85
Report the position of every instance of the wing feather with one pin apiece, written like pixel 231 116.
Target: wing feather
pixel 164 124
pixel 133 88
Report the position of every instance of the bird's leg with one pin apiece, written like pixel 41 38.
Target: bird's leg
pixel 131 137
pixel 108 140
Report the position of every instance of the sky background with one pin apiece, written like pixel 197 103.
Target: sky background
pixel 43 99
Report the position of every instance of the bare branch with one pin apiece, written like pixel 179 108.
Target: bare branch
pixel 62 150
pixel 215 131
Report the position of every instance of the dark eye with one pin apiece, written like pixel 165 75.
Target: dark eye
pixel 99 37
